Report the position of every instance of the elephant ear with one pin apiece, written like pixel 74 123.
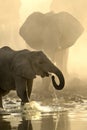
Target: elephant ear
pixel 24 69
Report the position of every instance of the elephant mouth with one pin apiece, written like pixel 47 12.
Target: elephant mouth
pixel 45 74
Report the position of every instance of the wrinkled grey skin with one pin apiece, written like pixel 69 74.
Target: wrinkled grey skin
pixel 19 68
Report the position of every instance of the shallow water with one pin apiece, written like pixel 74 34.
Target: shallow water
pixel 55 115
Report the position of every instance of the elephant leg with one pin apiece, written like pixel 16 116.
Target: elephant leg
pixel 21 89
pixel 29 87
pixel 1 101
pixel 2 93
pixel 61 59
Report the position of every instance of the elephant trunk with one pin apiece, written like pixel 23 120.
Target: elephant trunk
pixel 60 76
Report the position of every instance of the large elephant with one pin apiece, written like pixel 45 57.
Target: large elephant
pixel 54 33
pixel 57 30
pixel 19 68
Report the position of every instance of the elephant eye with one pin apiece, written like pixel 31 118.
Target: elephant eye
pixel 40 62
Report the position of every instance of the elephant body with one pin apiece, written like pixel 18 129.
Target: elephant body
pixel 19 68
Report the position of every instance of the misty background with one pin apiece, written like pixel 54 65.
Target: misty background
pixel 14 13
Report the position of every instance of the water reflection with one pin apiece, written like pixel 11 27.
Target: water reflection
pixel 46 122
pixel 4 125
pixel 71 118
pixel 57 121
pixel 25 125
pixel 63 123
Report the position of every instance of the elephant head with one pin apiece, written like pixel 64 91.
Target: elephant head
pixel 59 30
pixel 42 66
pixel 28 64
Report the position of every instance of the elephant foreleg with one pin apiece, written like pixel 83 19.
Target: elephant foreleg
pixel 21 89
pixel 29 87
pixel 2 93
pixel 1 101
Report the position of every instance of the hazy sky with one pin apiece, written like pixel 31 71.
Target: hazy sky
pixel 77 62
pixel 29 6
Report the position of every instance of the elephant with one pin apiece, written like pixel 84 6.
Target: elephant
pixel 18 69
pixel 59 30
pixel 53 33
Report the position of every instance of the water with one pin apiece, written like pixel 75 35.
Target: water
pixel 54 115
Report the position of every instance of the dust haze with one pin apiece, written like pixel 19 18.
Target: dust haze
pixel 77 62
pixel 13 15
pixel 68 108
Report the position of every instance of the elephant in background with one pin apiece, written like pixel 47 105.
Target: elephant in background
pixel 19 68
pixel 53 33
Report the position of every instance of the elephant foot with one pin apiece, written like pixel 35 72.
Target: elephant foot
pixel 23 103
pixel 1 105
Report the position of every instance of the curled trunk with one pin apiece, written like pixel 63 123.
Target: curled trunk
pixel 61 80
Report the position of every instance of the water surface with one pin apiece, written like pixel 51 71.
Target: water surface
pixel 69 115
